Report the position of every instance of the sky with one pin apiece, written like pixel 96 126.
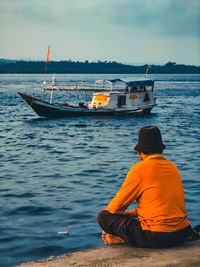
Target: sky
pixel 127 31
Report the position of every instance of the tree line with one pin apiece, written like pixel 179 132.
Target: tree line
pixel 68 66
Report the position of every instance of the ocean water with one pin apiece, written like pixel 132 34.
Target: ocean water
pixel 56 174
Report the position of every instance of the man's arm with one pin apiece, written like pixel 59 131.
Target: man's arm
pixel 130 191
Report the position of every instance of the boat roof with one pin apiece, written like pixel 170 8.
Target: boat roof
pixel 140 83
pixel 128 83
pixel 109 81
pixel 132 83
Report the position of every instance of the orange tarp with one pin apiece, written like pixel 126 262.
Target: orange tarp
pixel 102 98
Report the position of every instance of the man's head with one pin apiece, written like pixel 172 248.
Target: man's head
pixel 149 141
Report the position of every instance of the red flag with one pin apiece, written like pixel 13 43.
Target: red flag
pixel 48 54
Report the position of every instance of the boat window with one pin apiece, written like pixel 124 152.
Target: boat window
pixel 121 100
pixel 143 88
pixel 131 89
pixel 146 98
pixel 133 96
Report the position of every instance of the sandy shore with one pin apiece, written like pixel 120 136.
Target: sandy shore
pixel 125 256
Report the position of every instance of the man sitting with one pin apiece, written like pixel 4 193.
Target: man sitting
pixel 160 219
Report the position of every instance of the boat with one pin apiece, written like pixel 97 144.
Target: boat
pixel 115 97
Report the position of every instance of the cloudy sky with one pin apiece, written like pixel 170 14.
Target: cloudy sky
pixel 128 31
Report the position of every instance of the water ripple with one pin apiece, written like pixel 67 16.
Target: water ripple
pixel 30 210
pixel 56 174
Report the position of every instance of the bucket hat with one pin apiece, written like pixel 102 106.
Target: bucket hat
pixel 149 140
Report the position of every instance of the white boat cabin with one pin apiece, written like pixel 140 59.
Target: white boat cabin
pixel 136 94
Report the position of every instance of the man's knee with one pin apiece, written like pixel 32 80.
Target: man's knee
pixel 102 218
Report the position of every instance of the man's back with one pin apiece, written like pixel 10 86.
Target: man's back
pixel 161 204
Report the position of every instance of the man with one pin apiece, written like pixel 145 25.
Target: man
pixel 160 219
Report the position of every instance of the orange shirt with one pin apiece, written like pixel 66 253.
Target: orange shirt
pixel 155 184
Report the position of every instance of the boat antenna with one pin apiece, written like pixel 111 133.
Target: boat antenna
pixel 45 71
pixel 146 75
pixel 53 79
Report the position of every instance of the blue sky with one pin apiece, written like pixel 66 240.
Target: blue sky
pixel 128 31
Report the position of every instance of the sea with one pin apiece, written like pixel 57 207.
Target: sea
pixel 57 174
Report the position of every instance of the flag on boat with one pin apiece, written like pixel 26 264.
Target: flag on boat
pixel 48 54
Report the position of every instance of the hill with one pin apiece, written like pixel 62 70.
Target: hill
pixel 7 66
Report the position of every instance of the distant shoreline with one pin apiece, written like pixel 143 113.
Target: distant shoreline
pixel 99 67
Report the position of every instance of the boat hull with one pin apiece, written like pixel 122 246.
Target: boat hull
pixel 45 109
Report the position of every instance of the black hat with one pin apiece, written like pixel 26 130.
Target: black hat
pixel 149 140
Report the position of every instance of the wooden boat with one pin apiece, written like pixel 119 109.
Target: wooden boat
pixel 108 98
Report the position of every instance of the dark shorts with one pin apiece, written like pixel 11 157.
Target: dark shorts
pixel 129 229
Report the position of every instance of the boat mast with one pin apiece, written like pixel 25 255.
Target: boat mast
pixel 52 84
pixel 148 67
pixel 45 70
